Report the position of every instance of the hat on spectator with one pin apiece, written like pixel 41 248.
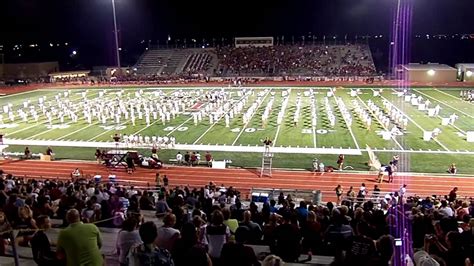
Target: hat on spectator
pixel 422 258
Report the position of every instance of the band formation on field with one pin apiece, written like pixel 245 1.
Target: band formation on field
pixel 297 119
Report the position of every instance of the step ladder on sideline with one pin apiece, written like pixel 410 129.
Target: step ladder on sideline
pixel 266 164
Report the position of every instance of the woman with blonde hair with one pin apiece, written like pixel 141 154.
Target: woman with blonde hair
pixel 272 260
pixel 25 222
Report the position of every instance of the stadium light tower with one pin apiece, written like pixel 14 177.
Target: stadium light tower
pixel 116 35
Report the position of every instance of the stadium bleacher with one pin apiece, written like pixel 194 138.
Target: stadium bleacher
pixel 284 60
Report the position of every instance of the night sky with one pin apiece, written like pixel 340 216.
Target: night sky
pixel 88 23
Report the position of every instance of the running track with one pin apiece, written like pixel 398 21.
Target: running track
pixel 244 179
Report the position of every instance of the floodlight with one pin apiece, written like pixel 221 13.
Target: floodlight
pixel 74 52
pixel 469 73
pixel 431 72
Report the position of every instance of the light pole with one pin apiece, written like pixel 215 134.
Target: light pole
pixel 116 36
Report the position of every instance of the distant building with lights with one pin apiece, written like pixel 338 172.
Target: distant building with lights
pixel 465 72
pixel 428 73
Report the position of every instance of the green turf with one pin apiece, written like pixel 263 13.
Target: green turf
pixel 287 134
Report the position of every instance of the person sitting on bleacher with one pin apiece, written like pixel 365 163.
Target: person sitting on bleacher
pixel 236 252
pixel 40 245
pixel 254 228
pixel 162 206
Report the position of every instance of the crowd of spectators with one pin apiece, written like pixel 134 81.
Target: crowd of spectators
pixel 212 226
pixel 312 60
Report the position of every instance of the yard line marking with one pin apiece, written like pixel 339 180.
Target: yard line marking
pixel 250 118
pixel 445 104
pixel 74 132
pixel 314 127
pixel 279 126
pixel 276 136
pixel 215 122
pixel 314 136
pixel 452 96
pixel 413 121
pixel 380 122
pixel 19 93
pixel 345 120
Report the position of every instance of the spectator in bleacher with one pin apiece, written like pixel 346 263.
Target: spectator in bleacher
pixel 40 245
pixel 452 251
pixel 4 227
pixel 361 247
pixel 25 221
pixel 167 235
pixel 269 230
pixel 162 206
pixel 147 201
pixel 272 260
pixel 215 235
pixel 79 243
pixel 384 251
pixel 233 224
pixel 338 234
pixel 254 228
pixel 236 253
pixel 147 254
pixel 287 240
pixel 445 209
pixel 311 233
pixel 127 238
pixel 187 250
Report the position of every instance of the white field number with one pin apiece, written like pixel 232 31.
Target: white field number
pixel 173 128
pixel 310 131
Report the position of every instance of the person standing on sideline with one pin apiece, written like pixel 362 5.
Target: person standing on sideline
pixel 179 158
pixel 98 155
pixel 27 153
pixel 340 161
pixel 339 192
pixel 208 159
pixel 79 243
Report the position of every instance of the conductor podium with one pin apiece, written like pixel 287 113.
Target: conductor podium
pixel 118 158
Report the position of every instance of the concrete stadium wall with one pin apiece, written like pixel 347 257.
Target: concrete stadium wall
pixel 29 70
pixel 439 76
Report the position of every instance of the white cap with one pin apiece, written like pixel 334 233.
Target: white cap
pixel 422 258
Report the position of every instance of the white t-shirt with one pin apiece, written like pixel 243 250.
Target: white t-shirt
pixel 165 237
pixel 215 241
pixel 179 157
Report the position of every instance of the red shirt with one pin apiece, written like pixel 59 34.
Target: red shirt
pixel 208 157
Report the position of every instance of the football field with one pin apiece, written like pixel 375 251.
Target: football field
pixel 298 119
